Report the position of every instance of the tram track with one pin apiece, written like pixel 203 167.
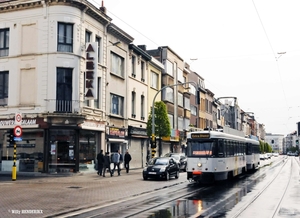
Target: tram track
pixel 280 181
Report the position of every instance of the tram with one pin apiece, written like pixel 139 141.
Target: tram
pixel 214 156
pixel 252 154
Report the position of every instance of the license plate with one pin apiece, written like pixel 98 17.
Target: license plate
pixel 152 173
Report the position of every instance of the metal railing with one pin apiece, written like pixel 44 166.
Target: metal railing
pixel 62 106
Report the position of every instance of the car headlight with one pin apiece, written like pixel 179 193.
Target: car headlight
pixel 199 164
pixel 163 169
pixel 145 169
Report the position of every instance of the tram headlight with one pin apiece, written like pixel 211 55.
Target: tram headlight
pixel 199 164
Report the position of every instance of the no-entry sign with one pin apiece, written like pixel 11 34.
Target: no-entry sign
pixel 18 131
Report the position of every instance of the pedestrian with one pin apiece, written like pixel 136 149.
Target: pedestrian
pixel 100 160
pixel 107 164
pixel 116 158
pixel 127 159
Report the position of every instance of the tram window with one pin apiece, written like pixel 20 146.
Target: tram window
pixel 220 149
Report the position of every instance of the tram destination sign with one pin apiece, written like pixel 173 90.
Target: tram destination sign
pixel 200 135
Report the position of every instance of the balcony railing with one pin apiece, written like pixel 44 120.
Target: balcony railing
pixel 62 106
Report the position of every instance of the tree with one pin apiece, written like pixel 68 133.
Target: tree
pixel 162 127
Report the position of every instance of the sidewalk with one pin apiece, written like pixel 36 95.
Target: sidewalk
pixel 54 194
pixel 7 175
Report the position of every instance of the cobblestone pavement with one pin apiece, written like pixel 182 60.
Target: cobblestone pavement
pixel 47 196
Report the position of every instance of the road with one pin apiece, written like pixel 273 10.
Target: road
pixel 273 189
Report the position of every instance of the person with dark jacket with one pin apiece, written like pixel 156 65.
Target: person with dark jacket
pixel 100 160
pixel 127 159
pixel 107 164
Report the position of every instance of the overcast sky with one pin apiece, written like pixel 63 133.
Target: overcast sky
pixel 236 44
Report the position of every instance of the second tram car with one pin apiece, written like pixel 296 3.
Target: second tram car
pixel 214 156
pixel 252 154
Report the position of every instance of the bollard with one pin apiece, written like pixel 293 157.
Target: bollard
pixel 14 167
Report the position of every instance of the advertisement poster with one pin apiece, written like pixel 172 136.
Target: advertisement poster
pixel 53 149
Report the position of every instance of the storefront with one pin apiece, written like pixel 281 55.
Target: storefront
pixel 53 145
pixel 138 146
pixel 116 139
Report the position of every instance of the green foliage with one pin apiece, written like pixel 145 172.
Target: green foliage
pixel 265 147
pixel 161 121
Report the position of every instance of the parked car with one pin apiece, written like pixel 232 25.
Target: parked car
pixel 161 168
pixel 262 157
pixel 180 158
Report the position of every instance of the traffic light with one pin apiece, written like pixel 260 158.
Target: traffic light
pixel 10 137
pixel 153 143
pixel 153 152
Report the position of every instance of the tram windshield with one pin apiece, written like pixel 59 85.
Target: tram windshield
pixel 203 148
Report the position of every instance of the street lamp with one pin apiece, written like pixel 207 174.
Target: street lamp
pixel 280 54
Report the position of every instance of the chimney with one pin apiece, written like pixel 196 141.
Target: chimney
pixel 143 47
pixel 102 8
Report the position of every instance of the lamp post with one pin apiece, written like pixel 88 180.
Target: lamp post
pixel 280 54
pixel 177 84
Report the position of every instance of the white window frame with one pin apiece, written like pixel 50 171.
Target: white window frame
pixel 117 105
pixel 117 64
pixel 4 42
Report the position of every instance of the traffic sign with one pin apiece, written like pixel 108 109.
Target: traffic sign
pixel 18 131
pixel 18 119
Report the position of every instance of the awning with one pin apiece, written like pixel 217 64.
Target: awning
pixel 117 140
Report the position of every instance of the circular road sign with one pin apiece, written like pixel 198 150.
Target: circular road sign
pixel 18 131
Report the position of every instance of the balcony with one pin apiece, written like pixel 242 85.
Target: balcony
pixel 62 106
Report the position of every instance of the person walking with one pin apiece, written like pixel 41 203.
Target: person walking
pixel 116 158
pixel 127 159
pixel 100 160
pixel 107 164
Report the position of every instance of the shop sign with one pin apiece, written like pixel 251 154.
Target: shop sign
pixel 25 122
pixel 137 131
pixel 93 125
pixel 91 74
pixel 116 132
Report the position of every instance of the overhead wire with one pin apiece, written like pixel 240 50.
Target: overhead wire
pixel 275 56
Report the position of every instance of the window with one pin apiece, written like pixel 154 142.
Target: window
pixel 4 42
pixel 117 65
pixel 98 40
pixel 154 80
pixel 187 103
pixel 168 94
pixel 65 37
pixel 133 62
pixel 180 75
pixel 88 36
pixel 169 68
pixel 142 71
pixel 133 104
pixel 142 107
pixel 117 102
pixel 180 99
pixel 3 87
pixel 180 123
pixel 170 116
pixel 98 101
pixel 64 90
pixel 186 123
pixel 194 110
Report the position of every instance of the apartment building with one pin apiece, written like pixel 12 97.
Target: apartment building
pixel 64 68
pixel 176 98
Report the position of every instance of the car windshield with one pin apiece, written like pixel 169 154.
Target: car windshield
pixel 158 161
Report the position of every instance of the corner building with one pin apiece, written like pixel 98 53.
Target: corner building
pixel 56 60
